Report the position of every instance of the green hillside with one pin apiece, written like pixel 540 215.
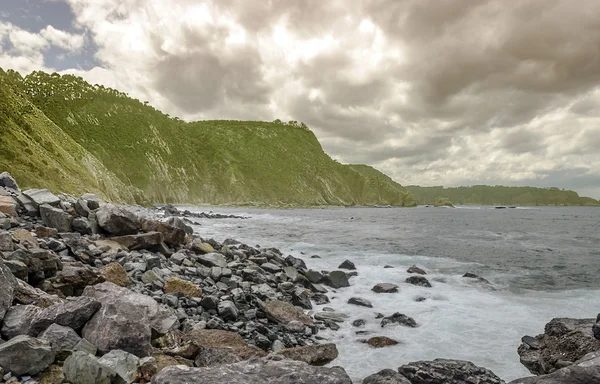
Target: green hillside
pixel 86 137
pixel 500 195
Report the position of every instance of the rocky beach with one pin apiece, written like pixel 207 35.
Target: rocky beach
pixel 92 292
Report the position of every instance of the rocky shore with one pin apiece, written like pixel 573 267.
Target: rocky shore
pixel 92 292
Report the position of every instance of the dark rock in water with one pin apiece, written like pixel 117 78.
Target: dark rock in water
pixel 171 210
pixel 56 218
pixel 320 298
pixel 419 299
pixel 359 323
pixel 255 371
pixel 360 302
pixel 336 279
pixel 444 371
pixel 399 318
pixel 564 339
pixel 117 220
pixel 379 315
pixel 7 293
pixel 300 298
pixel 387 266
pixel 24 355
pixel 386 376
pixel 583 371
pixel 474 276
pixel 315 257
pixel 418 280
pixel 596 328
pixel 295 262
pixel 313 276
pixel 318 354
pixel 381 342
pixel 347 264
pixel 385 288
pixel 415 269
pixel 6 180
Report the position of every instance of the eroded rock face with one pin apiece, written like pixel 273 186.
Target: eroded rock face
pixel 564 341
pixel 24 355
pixel 117 220
pixel 255 371
pixel 444 371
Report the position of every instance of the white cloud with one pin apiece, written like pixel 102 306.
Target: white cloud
pixel 68 41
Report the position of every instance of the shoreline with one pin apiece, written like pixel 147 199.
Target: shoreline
pixel 220 308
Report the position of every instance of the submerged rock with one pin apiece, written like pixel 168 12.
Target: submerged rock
pixel 445 371
pixel 360 302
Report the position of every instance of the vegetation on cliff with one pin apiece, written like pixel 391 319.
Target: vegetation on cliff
pixel 500 195
pixel 81 134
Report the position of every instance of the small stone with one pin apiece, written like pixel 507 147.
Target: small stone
pixel 359 323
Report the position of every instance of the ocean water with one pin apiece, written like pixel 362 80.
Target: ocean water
pixel 541 262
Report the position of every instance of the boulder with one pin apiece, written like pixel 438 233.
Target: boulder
pixel 386 376
pixel 72 279
pixel 419 280
pixel 124 364
pixel 6 180
pixel 564 340
pixel 255 371
pixel 93 201
pixel 117 220
pixel 212 260
pixel 26 294
pixel 417 270
pixel 6 243
pixel 41 197
pixel 398 318
pixel 228 310
pixel 140 241
pixel 381 342
pixel 360 302
pixel 45 232
pixel 178 223
pixel 202 248
pixel 24 355
pixel 64 341
pixel 347 264
pixel 116 274
pixel 314 277
pixel 83 368
pixel 55 218
pixel 271 268
pixel 292 261
pixel 28 205
pixel 82 225
pixel 476 277
pixel 177 285
pixel 385 288
pixel 336 279
pixel 329 316
pixel 82 208
pixel 584 371
pixel 317 354
pixel 284 312
pixel 9 286
pixel 444 371
pixel 8 206
pixel 40 263
pixel 172 235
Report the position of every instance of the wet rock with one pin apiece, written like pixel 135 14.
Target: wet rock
pixel 256 371
pixel 381 342
pixel 42 196
pixel 476 277
pixel 117 220
pixel 417 270
pixel 386 376
pixel 24 355
pixel 319 298
pixel 418 280
pixel 172 235
pixel 177 285
pixel 385 288
pixel 6 180
pixel 7 292
pixel 563 339
pixel 83 368
pixel 336 279
pixel 398 318
pixel 295 262
pixel 314 277
pixel 347 264
pixel 360 302
pixel 444 371
pixel 116 274
pixel 318 354
pixel 284 312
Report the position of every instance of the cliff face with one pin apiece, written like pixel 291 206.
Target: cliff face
pixel 79 133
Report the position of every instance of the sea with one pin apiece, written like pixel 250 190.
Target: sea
pixel 541 263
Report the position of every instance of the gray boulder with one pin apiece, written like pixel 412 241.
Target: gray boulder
pixel 27 204
pixel 41 197
pixel 81 207
pixel 583 371
pixel 347 264
pixel 117 220
pixel 336 279
pixel 148 240
pixel 82 225
pixel 124 364
pixel 254 371
pixel 6 243
pixel 313 276
pixel 7 293
pixel 6 180
pixel 228 310
pixel 331 316
pixel 93 201
pixel 55 218
pixel 386 376
pixel 419 280
pixel 24 355
pixel 444 371
pixel 385 288
pixel 212 260
pixel 64 341
pixel 83 368
pixel 360 302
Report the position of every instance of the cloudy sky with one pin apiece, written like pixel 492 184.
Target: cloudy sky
pixel 432 92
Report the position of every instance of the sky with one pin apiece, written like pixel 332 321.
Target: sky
pixel 431 92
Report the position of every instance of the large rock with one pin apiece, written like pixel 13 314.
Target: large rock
pixel 64 340
pixel 41 197
pixel 318 354
pixel 418 280
pixel 360 302
pixel 24 355
pixel 284 312
pixel 212 260
pixel 7 292
pixel 336 279
pixel 124 364
pixel 72 279
pixel 31 320
pixel 26 294
pixel 255 371
pixel 56 218
pixel 172 234
pixel 386 376
pixel 347 264
pixel 6 243
pixel 83 368
pixel 140 241
pixel 28 205
pixel 6 180
pixel 40 263
pixel 117 220
pixel 444 371
pixel 8 206
pixel 398 318
pixel 583 371
pixel 564 340
pixel 385 288
pixel 417 270
pixel 381 342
